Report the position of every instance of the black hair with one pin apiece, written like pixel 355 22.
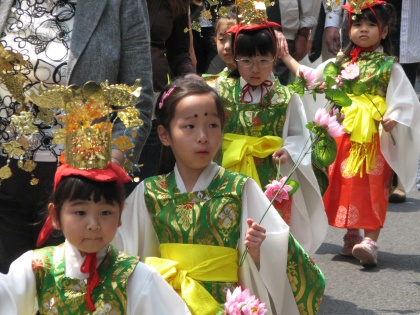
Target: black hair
pixel 165 110
pixel 78 187
pixel 250 43
pixel 385 16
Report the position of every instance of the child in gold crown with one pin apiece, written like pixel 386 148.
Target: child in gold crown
pixel 86 274
pixel 382 130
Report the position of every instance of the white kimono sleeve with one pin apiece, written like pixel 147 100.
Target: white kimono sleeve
pixel 308 223
pixel 270 281
pixel 149 293
pixel 136 236
pixel 403 107
pixel 17 288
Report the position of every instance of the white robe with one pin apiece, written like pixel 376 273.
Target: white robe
pixel 147 291
pixel 136 236
pixel 404 108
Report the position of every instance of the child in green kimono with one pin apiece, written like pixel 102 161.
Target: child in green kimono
pixel 194 222
pixel 265 123
pixel 85 274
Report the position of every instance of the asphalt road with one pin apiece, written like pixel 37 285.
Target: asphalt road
pixel 391 288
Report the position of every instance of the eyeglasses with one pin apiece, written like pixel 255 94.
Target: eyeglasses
pixel 248 63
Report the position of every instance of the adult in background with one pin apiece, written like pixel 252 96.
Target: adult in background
pixel 297 18
pixel 170 51
pixel 66 42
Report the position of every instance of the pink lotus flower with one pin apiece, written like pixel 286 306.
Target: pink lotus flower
pixel 242 303
pixel 271 190
pixel 333 127
pixel 350 72
pixel 308 76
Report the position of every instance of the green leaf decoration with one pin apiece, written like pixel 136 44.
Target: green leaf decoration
pixel 358 88
pixel 325 151
pixel 340 98
pixel 294 184
pixel 347 86
pixel 329 82
pixel 297 87
pixel 330 70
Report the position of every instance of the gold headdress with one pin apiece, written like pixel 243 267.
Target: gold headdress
pixel 89 114
pixel 252 15
pixel 252 12
pixel 354 6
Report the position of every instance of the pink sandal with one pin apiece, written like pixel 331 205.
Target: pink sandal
pixel 350 240
pixel 366 252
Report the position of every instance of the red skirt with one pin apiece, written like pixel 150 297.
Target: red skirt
pixel 357 202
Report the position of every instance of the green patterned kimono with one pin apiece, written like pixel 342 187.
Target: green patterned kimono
pixel 209 217
pixel 375 71
pixel 58 294
pixel 213 217
pixel 255 120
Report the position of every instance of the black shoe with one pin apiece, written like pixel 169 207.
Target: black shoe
pixel 397 196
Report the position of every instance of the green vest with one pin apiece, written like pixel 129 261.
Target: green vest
pixel 254 119
pixel 375 71
pixel 58 294
pixel 208 217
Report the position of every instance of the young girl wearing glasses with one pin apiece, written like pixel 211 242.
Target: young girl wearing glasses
pixel 265 125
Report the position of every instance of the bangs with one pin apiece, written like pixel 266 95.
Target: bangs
pixel 250 43
pixel 77 187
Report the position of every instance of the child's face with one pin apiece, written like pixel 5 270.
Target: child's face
pixel 255 70
pixel 195 133
pixel 87 225
pixel 224 41
pixel 366 34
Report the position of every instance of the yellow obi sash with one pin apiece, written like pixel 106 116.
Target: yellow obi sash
pixel 183 264
pixel 361 122
pixel 239 152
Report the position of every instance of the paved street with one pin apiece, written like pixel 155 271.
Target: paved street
pixel 391 288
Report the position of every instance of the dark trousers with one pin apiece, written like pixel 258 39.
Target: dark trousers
pixel 23 208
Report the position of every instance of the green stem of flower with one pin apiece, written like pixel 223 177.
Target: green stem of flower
pixel 292 170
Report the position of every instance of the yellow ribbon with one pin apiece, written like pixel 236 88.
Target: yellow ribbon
pixel 183 264
pixel 361 122
pixel 239 152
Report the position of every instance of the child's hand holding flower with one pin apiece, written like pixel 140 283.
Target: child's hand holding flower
pixel 388 124
pixel 281 156
pixel 255 235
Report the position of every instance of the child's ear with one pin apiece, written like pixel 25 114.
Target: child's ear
pixel 385 32
pixel 53 214
pixel 164 136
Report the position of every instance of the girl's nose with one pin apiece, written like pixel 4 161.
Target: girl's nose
pixel 203 138
pixel 94 225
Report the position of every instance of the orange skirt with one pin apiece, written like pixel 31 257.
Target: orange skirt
pixel 357 202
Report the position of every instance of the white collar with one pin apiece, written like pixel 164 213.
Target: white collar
pixel 203 180
pixel 257 94
pixel 73 260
